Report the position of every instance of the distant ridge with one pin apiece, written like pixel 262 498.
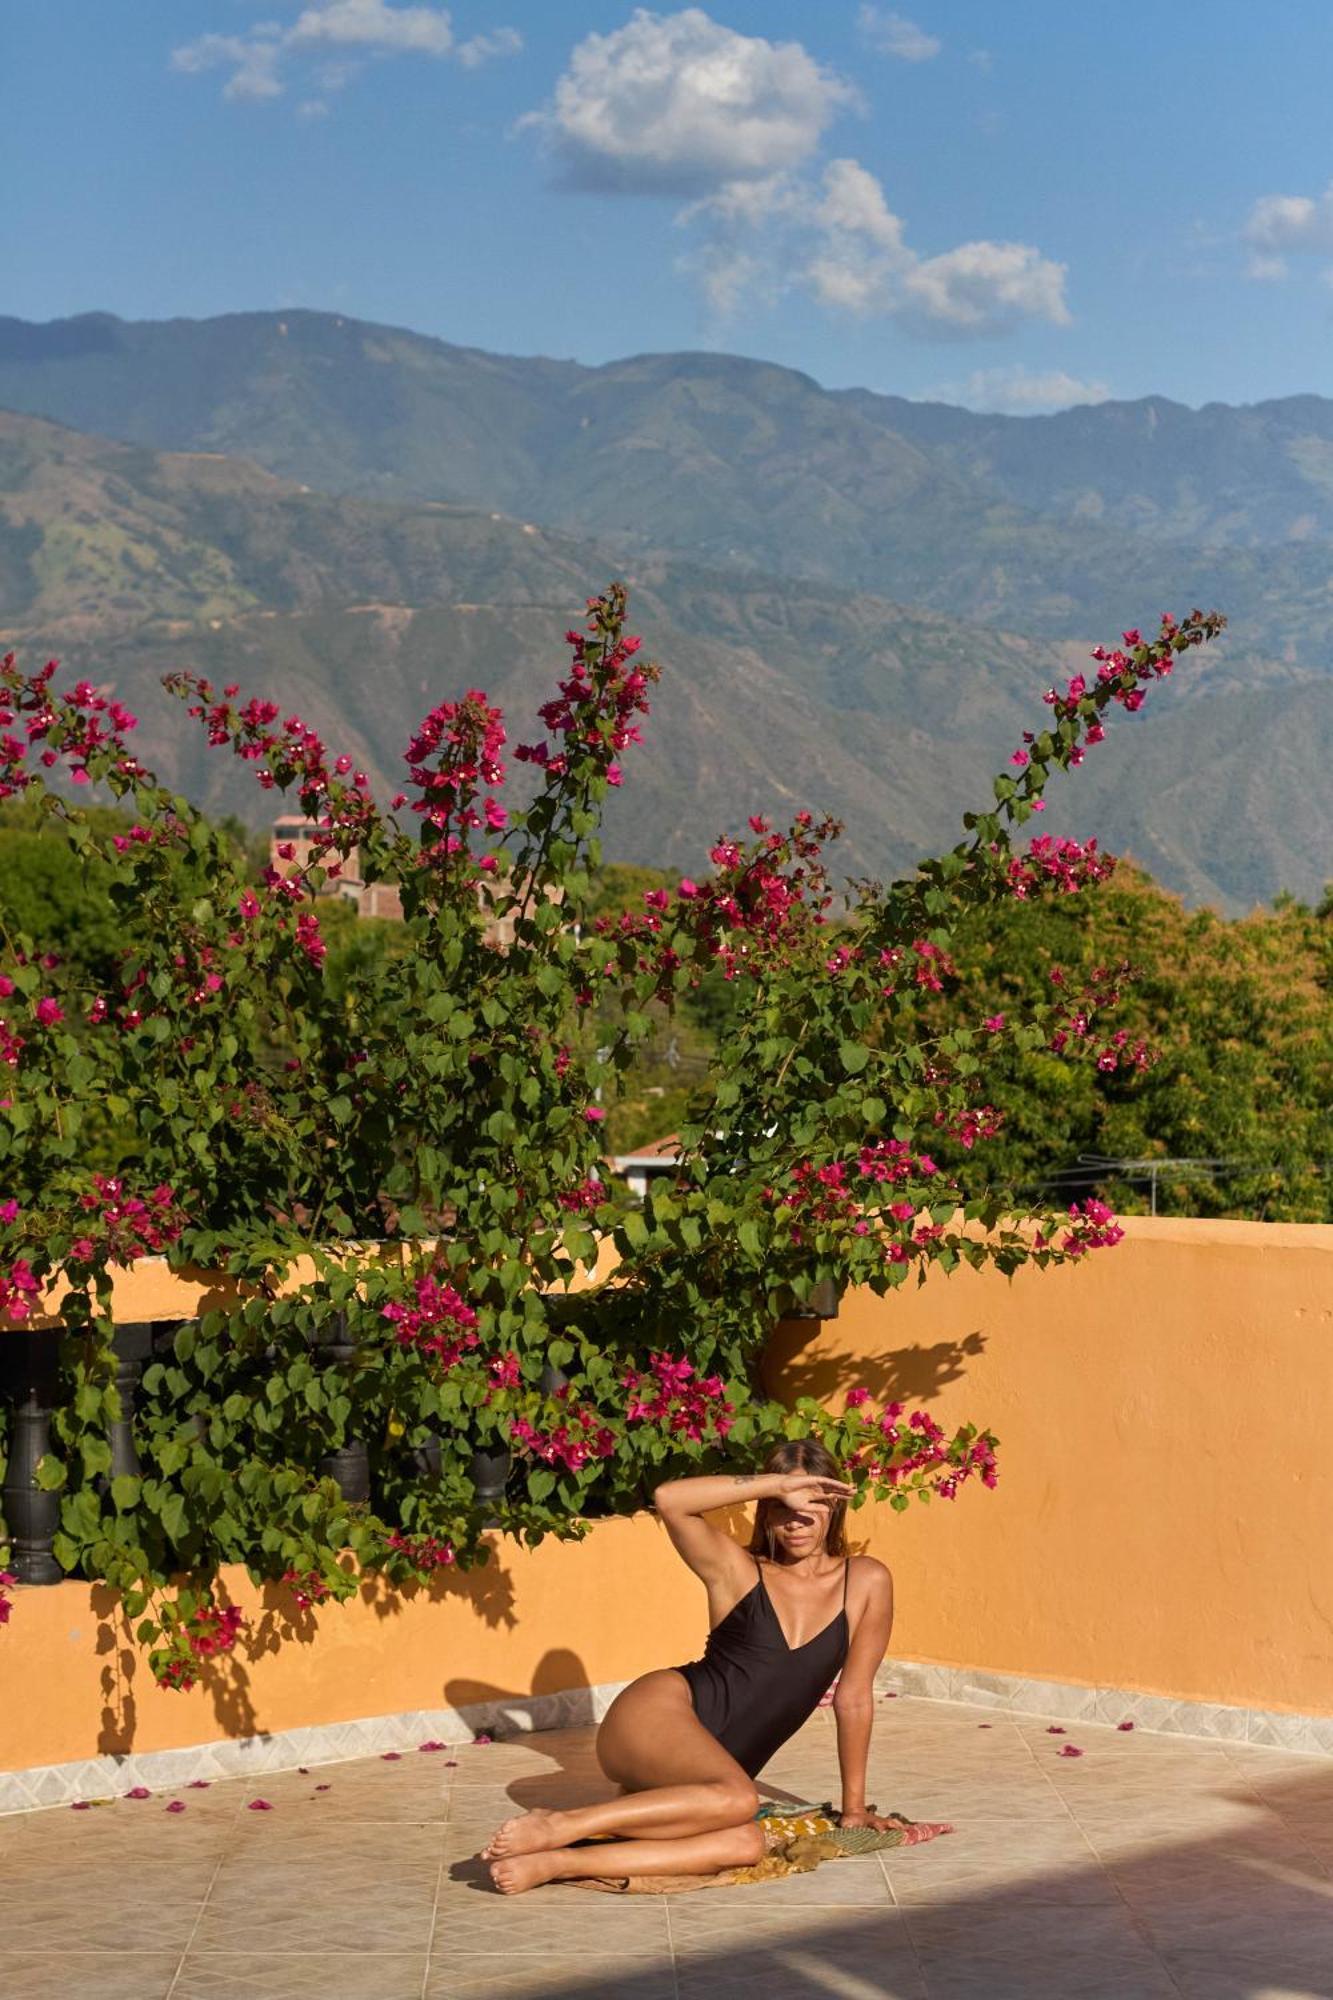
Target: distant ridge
pixel 778 533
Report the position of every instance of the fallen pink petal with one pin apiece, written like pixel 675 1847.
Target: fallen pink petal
pixel 1124 1725
pixel 199 1784
pixel 175 1805
pixel 259 1805
pixel 1068 1750
pixel 139 1792
pixel 432 1746
pixel 391 1757
pixel 1054 1729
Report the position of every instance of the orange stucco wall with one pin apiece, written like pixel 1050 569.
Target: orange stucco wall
pixel 1162 1521
pixel 1164 1516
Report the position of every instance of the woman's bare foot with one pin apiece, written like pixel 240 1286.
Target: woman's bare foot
pixel 524 1871
pixel 529 1833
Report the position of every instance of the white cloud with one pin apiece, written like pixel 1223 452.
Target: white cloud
pixel 894 35
pixel 1279 226
pixel 1019 391
pixel 836 238
pixel 374 24
pixel 481 48
pixel 985 288
pixel 253 60
pixel 361 29
pixel 678 104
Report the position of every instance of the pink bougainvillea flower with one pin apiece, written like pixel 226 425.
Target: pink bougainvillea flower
pixel 483 1738
pixel 259 1805
pixel 432 1746
pixel 198 1784
pixel 80 1805
pixel 175 1805
pixel 594 1114
pixel 49 1011
pixel 1068 1750
pixel 139 1792
pixel 1054 1729
pixel 1124 1725
pixel 391 1757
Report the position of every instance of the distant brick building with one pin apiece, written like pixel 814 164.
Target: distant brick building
pixel 372 899
pixel 658 1160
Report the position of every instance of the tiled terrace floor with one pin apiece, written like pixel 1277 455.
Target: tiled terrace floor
pixel 1151 1865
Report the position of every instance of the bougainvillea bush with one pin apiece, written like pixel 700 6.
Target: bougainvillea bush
pixel 430 1133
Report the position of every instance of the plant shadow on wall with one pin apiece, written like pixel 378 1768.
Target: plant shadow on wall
pixel 901 1375
pixel 281 1622
pixel 426 1131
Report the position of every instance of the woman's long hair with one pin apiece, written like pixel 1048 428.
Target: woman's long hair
pixel 801 1455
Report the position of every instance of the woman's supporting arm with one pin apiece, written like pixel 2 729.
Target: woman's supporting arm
pixel 854 1700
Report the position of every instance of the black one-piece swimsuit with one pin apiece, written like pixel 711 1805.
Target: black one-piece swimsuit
pixel 751 1690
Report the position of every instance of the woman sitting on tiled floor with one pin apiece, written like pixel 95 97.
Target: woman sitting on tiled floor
pixel 686 1743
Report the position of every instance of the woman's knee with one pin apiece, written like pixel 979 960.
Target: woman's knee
pixel 737 1798
pixel 749 1844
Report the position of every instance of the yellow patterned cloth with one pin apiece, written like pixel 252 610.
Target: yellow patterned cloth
pixel 797 1839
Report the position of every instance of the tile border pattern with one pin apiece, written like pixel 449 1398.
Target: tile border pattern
pixel 578 1708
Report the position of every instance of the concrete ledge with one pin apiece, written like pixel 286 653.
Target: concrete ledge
pixel 1068 1701
pixel 579 1708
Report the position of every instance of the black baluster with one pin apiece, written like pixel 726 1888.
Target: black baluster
pixel 490 1474
pixel 823 1302
pixel 428 1458
pixel 349 1466
pixel 31 1516
pixel 133 1346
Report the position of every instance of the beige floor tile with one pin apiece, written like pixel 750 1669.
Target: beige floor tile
pixel 123 1920
pixel 492 1923
pixel 251 1975
pixel 1208 1975
pixel 805 1972
pixel 588 1975
pixel 296 1912
pixel 71 1975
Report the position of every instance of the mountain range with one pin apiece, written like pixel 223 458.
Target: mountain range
pixel 857 599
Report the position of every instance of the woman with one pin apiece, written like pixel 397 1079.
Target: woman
pixel 787 1617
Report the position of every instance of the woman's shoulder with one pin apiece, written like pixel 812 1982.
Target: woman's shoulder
pixel 868 1567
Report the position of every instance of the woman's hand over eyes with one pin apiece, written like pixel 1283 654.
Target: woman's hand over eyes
pixel 800 1490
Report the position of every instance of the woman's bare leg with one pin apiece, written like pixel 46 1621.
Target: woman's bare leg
pixel 679 1782
pixel 699 1854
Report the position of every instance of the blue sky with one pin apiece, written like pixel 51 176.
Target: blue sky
pixel 1015 206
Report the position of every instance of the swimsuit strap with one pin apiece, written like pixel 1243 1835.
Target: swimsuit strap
pixel 845 1568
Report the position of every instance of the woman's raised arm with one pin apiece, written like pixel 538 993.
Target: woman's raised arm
pixel 682 1503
